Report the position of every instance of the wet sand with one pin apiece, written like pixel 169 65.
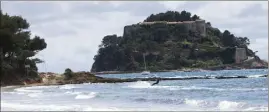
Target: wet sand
pixel 9 88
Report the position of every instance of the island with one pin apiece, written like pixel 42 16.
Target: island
pixel 174 41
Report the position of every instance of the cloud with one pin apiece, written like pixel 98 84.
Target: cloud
pixel 133 7
pixel 191 5
pixel 172 5
pixel 34 11
pixel 260 45
pixel 73 30
pixel 54 29
pixel 31 9
pixel 253 10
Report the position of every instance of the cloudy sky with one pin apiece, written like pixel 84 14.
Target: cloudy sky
pixel 73 30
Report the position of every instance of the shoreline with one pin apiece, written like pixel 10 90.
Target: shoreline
pixel 219 68
pixel 89 77
pixel 6 87
pixel 116 80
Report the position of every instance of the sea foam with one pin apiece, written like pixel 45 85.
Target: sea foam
pixel 86 95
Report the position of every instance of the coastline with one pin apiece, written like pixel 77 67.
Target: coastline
pixel 9 88
pixel 12 87
pixel 96 79
pixel 214 68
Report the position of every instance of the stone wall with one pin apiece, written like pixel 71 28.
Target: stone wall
pixel 240 55
pixel 201 27
pixel 198 25
pixel 129 29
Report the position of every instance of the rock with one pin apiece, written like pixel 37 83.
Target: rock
pixel 264 76
pixel 230 77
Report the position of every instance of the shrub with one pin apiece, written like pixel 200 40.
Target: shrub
pixel 68 73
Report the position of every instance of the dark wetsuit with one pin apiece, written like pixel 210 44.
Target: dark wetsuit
pixel 157 82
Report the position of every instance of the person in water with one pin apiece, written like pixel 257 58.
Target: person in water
pixel 157 82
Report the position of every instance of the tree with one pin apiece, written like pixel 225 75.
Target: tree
pixel 110 40
pixel 195 17
pixel 171 16
pixel 68 73
pixel 228 39
pixel 185 16
pixel 17 47
pixel 242 42
pixel 208 24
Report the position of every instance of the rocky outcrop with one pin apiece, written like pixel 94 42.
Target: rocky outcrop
pixel 87 77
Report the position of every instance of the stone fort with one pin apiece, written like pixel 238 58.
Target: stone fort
pixel 198 25
pixel 240 55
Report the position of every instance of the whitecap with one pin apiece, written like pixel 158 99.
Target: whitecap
pixel 229 105
pixel 221 89
pixel 86 95
pixel 194 102
pixel 34 95
pixel 262 108
pixel 140 84
pixel 27 90
pixel 67 87
pixel 145 84
pixel 255 76
pixel 73 93
pixel 201 88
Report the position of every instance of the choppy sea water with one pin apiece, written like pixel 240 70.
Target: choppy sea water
pixel 200 94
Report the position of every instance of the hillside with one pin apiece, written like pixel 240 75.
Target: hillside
pixel 170 41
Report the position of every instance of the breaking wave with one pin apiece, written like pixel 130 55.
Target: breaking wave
pixel 256 76
pixel 34 95
pixel 28 90
pixel 229 105
pixel 86 95
pixel 219 77
pixel 145 84
pixel 194 102
pixel 73 93
pixel 222 105
pixel 140 84
pixel 68 86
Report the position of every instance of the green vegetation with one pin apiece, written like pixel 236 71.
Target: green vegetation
pixel 68 73
pixel 168 47
pixel 17 49
pixel 172 16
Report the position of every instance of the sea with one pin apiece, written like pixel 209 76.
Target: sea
pixel 234 94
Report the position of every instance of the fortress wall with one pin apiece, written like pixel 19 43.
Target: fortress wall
pixel 240 55
pixel 198 25
pixel 201 27
pixel 128 30
pixel 194 26
pixel 189 25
